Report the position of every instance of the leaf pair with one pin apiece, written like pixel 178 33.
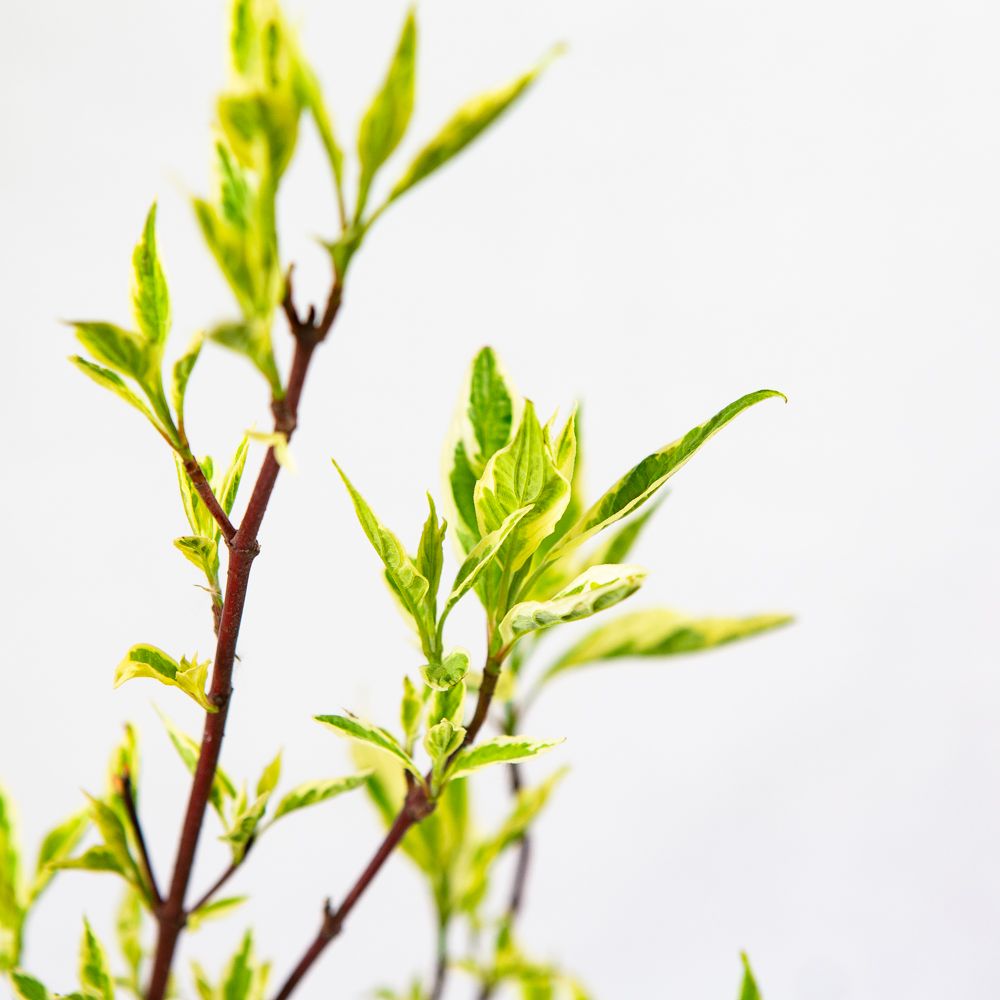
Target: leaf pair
pixel 123 356
pixel 243 816
pixel 443 747
pixel 96 979
pixel 385 124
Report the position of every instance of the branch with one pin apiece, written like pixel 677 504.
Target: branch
pixel 128 797
pixel 243 549
pixel 416 807
pixel 221 880
pixel 208 498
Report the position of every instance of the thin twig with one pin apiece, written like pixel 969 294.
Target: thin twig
pixel 128 797
pixel 243 549
pixel 441 964
pixel 416 807
pixel 221 880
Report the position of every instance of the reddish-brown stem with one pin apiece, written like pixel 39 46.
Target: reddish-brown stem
pixel 128 797
pixel 221 881
pixel 208 498
pixel 243 549
pixel 417 805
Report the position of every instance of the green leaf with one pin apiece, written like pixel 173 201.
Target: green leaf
pixel 411 711
pixel 119 349
pixel 238 977
pixel 147 661
pixel 482 426
pixel 96 859
pixel 244 826
pixel 95 975
pixel 521 474
pixel 366 732
pixel 188 749
pixel 443 739
pixel 253 341
pixel 749 990
pixel 11 907
pixel 447 704
pixel 430 555
pixel 311 793
pixel 409 584
pixel 661 632
pixel 150 299
pixel 450 671
pixel 594 590
pixel 129 931
pixel 470 121
pixel 498 750
pixel 115 838
pixel 182 374
pixel 313 99
pixel 388 116
pixel 202 552
pixel 270 777
pixel 27 987
pixel 622 540
pixel 110 381
pixel 644 479
pixel 58 844
pixel 213 911
pixel 227 487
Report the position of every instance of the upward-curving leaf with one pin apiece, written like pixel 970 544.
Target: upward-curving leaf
pixel 366 732
pixel 644 479
pixel 594 590
pixel 749 989
pixel 661 632
pixel 469 122
pixel 150 298
pixel 408 583
pixel 386 119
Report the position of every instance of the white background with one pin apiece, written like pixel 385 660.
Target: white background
pixel 701 199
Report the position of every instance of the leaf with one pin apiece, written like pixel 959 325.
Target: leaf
pixel 498 750
pixel 270 777
pixel 388 116
pixel 110 381
pixel 594 590
pixel 521 474
pixel 411 711
pixel 661 632
pixel 112 832
pixel 277 441
pixel 366 732
pixel 443 739
pixel 150 298
pixel 238 977
pixel 214 910
pixel 129 930
pixel 312 793
pixel 202 552
pixel 229 485
pixel 95 976
pixel 491 407
pixel 409 583
pixel 470 121
pixel 483 424
pixel 430 555
pixel 27 987
pixel 198 517
pixel 621 542
pixel 96 859
pixel 482 554
pixel 117 348
pixel 749 990
pixel 58 844
pixel 450 671
pixel 253 341
pixel 188 749
pixel 182 373
pixel 644 479
pixel 147 661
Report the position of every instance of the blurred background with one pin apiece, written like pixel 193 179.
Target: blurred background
pixel 699 200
